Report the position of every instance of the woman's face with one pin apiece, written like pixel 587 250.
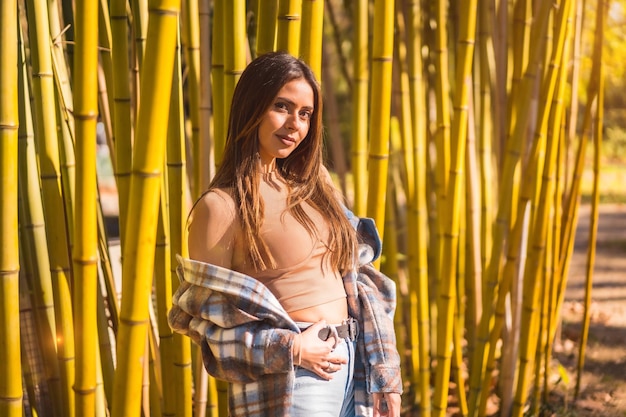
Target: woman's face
pixel 286 123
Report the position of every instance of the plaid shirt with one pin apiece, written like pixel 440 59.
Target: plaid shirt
pixel 246 336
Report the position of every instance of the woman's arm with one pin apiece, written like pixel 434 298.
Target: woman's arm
pixel 212 229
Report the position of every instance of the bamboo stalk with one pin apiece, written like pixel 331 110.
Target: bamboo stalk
pixel 453 195
pixel 141 17
pixel 33 237
pixel 575 85
pixel 122 113
pixel 442 134
pixel 359 106
pixel 85 254
pixel 163 293
pixel 401 102
pixel 65 124
pixel 176 378
pixel 10 378
pixel 312 34
pixel 190 32
pixel 289 23
pixel 234 51
pixel 266 25
pixel 486 120
pixel 418 220
pixel 473 264
pixel 602 8
pixel 380 105
pixel 205 150
pixel 220 122
pixel 54 210
pixel 106 348
pixel 148 160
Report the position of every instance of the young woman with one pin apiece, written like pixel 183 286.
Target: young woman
pixel 279 290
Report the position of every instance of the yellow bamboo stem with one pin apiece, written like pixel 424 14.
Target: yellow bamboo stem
pixel 266 25
pixel 289 23
pixel 593 234
pixel 418 220
pixel 65 116
pixel 311 35
pixel 141 17
pixel 359 106
pixel 54 210
pixel 122 126
pixel 178 355
pixel 486 121
pixel 191 48
pixel 205 150
pixel 453 195
pixel 33 238
pixel 148 160
pixel 10 377
pixel 85 254
pixel 380 104
pixel 217 73
pixel 234 50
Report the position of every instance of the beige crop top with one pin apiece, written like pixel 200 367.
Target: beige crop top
pixel 303 276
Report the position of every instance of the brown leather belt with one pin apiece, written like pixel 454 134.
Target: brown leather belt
pixel 348 330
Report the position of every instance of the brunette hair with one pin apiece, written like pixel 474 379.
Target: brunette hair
pixel 306 178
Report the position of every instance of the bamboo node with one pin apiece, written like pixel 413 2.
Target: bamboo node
pixel 84 391
pixel 144 174
pixel 133 322
pixel 42 75
pixel 289 17
pixel 11 399
pixel 86 116
pixel 163 12
pixel 88 261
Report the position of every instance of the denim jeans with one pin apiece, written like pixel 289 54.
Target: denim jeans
pixel 314 396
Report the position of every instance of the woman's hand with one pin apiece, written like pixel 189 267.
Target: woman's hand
pixel 318 355
pixel 392 407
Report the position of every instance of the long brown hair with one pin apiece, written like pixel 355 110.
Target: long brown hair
pixel 255 92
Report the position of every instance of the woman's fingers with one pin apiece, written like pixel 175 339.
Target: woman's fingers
pixel 318 355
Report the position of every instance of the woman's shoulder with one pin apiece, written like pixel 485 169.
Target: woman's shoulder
pixel 217 202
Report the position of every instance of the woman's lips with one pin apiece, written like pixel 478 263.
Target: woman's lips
pixel 286 139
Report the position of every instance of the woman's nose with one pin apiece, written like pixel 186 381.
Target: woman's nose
pixel 292 122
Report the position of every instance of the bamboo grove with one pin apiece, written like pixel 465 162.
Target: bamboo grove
pixel 465 146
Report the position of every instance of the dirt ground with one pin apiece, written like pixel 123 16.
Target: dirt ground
pixel 603 381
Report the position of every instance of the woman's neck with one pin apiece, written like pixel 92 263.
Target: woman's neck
pixel 267 167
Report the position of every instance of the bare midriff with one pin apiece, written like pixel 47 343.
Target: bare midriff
pixel 333 312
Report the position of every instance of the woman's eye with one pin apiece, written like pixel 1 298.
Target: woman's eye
pixel 281 106
pixel 305 115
